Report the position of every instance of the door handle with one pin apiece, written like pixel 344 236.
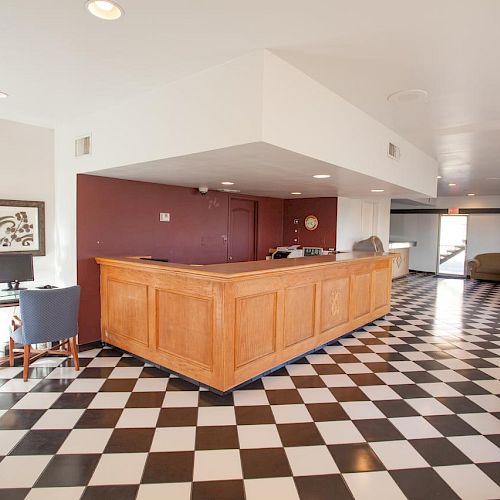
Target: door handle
pixel 230 258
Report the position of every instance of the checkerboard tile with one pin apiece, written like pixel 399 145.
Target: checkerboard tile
pixel 405 407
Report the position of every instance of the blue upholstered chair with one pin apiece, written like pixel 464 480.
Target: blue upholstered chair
pixel 46 316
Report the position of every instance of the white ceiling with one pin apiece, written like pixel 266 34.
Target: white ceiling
pixel 258 169
pixel 57 62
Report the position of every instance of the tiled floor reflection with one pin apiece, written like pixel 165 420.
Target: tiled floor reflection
pixel 405 407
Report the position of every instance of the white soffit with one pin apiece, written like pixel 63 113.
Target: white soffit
pixel 258 169
pixel 252 99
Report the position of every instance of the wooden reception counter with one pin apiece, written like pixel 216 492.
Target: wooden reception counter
pixel 224 324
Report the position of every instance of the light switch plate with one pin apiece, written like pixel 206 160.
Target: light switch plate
pixel 164 217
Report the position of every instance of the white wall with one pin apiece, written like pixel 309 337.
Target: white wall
pixel 27 173
pixel 422 228
pixel 483 234
pixel 359 219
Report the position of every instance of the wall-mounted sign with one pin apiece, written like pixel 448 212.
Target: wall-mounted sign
pixel 311 222
pixel 453 211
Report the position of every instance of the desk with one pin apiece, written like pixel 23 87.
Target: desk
pixel 225 324
pixel 9 299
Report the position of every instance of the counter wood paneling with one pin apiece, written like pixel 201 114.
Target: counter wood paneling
pixel 224 324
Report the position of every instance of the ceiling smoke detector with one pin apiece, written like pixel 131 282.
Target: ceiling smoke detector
pixel 409 95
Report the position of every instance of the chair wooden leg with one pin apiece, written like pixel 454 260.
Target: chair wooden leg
pixel 26 362
pixel 11 351
pixel 74 351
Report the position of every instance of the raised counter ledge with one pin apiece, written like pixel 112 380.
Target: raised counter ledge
pixel 239 269
pixel 225 324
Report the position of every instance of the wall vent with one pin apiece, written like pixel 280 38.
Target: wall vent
pixel 83 146
pixel 394 152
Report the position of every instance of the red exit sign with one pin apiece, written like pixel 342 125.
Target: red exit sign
pixel 453 211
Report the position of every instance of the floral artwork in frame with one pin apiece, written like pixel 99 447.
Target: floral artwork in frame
pixel 22 227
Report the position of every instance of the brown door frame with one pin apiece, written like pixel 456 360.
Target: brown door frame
pixel 255 222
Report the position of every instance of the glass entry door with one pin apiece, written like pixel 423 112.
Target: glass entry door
pixel 452 245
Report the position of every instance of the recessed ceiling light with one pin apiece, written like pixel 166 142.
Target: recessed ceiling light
pixel 227 183
pixel 104 9
pixel 451 184
pixel 377 190
pixel 409 95
pixel 3 95
pixel 321 176
pixel 439 177
pixel 295 192
pixel 471 194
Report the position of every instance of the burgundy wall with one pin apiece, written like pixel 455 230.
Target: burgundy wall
pixel 117 217
pixel 325 209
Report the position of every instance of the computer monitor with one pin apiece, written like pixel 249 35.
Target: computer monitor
pixel 14 268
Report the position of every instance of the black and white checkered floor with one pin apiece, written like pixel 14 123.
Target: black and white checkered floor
pixel 405 407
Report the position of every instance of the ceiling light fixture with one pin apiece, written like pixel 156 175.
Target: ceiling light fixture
pixel 439 177
pixel 104 9
pixel 409 95
pixel 321 176
pixel 3 95
pixel 295 192
pixel 227 183
pixel 451 184
pixel 471 194
pixel 377 190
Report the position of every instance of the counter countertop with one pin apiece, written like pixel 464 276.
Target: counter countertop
pixel 233 269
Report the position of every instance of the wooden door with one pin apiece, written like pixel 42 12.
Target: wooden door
pixel 242 229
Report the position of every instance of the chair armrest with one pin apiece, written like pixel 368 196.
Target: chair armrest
pixel 16 323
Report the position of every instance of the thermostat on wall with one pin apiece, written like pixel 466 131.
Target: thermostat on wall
pixel 164 217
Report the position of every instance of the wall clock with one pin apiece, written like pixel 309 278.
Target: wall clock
pixel 311 222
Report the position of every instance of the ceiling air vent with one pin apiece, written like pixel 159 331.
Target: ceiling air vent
pixel 83 146
pixel 393 152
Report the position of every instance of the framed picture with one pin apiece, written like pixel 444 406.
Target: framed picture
pixel 22 227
